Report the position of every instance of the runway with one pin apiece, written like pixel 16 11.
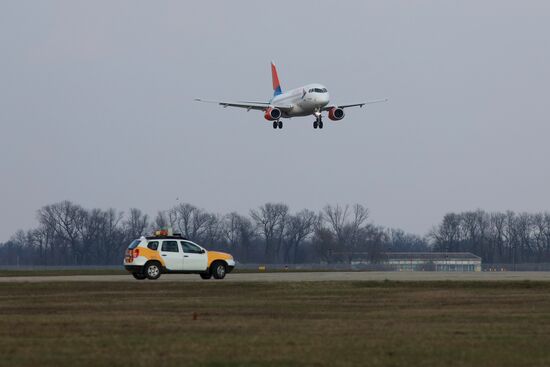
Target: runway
pixel 300 277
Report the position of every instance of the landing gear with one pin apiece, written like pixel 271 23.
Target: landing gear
pixel 278 124
pixel 318 123
pixel 275 124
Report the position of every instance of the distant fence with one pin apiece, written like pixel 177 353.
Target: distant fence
pixel 320 267
pixel 516 267
pixel 386 267
pixel 61 267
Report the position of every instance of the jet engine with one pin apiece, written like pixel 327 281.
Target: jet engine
pixel 272 114
pixel 336 114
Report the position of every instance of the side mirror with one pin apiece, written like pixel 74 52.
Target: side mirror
pixel 203 251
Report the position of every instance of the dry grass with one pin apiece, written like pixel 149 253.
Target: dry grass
pixel 275 324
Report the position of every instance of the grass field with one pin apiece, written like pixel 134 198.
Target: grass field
pixel 275 324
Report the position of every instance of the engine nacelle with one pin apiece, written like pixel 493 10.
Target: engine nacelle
pixel 272 114
pixel 336 114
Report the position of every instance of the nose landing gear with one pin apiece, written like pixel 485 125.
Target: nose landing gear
pixel 318 123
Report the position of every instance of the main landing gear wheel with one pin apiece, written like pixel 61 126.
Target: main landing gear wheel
pixel 275 124
pixel 280 124
pixel 320 124
pixel 315 124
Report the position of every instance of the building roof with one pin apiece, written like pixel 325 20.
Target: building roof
pixel 431 256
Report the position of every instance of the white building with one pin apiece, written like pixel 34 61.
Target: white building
pixel 433 261
pixel 427 261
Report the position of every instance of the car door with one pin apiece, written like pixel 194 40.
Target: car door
pixel 171 254
pixel 195 257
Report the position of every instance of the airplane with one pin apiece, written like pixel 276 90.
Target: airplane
pixel 311 99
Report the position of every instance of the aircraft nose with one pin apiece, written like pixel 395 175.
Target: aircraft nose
pixel 324 99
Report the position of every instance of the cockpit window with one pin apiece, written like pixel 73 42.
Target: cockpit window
pixel 318 90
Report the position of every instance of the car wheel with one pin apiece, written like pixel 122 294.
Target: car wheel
pixel 206 276
pixel 139 276
pixel 219 270
pixel 152 271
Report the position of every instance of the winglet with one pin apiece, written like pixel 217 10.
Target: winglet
pixel 275 78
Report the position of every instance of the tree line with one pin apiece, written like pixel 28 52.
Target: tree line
pixel 68 234
pixel 500 237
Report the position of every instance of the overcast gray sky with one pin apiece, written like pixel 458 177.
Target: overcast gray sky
pixel 96 106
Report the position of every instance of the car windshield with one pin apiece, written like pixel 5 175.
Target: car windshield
pixel 134 244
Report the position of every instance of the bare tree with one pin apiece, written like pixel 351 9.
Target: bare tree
pixel 399 241
pixel 212 233
pixel 271 219
pixel 497 223
pixel 111 239
pixel 183 218
pixel 136 224
pixel 336 217
pixel 347 226
pixel 474 226
pixel 162 220
pixel 447 235
pixel 194 223
pixel 238 232
pixel 540 235
pixel 299 227
pixel 325 245
pixel 67 220
pixel 375 240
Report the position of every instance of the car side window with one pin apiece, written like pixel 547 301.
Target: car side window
pixel 190 248
pixel 170 246
pixel 153 245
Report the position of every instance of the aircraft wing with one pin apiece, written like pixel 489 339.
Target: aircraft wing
pixel 262 106
pixel 326 108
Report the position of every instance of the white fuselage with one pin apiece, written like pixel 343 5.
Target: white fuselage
pixel 305 101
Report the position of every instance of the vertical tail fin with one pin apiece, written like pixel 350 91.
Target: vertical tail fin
pixel 275 78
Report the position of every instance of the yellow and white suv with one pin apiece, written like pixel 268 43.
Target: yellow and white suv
pixel 149 257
